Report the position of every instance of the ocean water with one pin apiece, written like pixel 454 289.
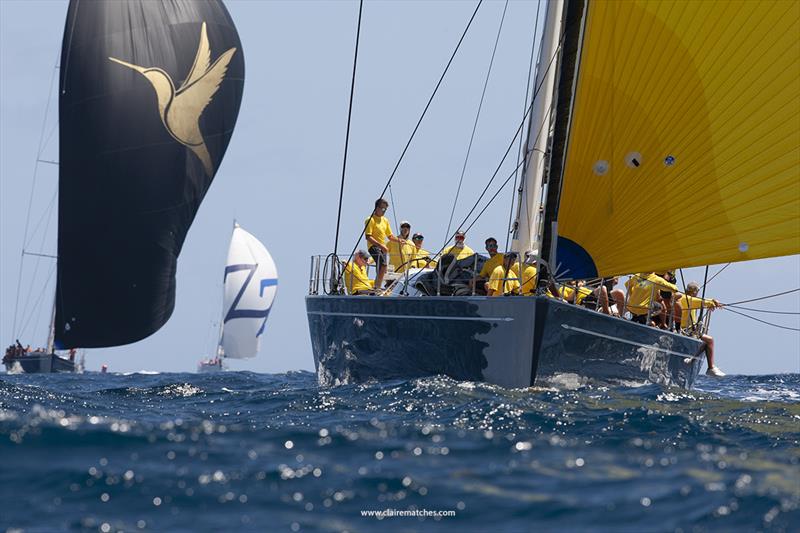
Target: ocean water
pixel 253 452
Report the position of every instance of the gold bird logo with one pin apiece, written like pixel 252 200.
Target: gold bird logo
pixel 180 109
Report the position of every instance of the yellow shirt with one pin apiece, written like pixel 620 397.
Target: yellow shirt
pixel 419 259
pixel 378 228
pixel 489 266
pixel 692 304
pixel 400 254
pixel 641 287
pixel 460 253
pixel 355 278
pixel 529 279
pixel 499 284
pixel 567 293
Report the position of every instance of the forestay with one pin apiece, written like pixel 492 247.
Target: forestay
pixel 251 281
pixel 684 137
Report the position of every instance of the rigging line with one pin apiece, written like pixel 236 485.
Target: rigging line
pixel 688 304
pixel 422 116
pixel 702 296
pixel 521 147
pixel 49 211
pixel 35 276
pixel 510 145
pixel 30 199
pixel 347 135
pixel 502 186
pixel 764 321
pixel 394 210
pixel 718 273
pixel 540 130
pixel 477 118
pixel 37 303
pixel 764 310
pixel 762 298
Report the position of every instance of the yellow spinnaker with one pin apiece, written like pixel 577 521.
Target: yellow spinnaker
pixel 705 97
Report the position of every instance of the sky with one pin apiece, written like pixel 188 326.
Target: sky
pixel 280 176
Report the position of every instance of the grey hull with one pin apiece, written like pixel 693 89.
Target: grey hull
pixel 42 363
pixel 511 341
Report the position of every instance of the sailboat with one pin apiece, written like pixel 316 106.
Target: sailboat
pixel 149 94
pixel 666 134
pixel 249 288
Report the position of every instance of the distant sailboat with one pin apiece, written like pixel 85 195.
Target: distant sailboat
pixel 129 186
pixel 250 285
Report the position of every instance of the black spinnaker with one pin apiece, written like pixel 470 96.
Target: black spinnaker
pixel 149 95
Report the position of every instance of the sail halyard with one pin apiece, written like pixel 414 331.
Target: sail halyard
pixel 527 223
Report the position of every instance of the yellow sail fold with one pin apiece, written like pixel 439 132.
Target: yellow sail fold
pixel 684 143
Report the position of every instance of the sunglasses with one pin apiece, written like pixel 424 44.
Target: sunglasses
pixel 491 246
pixel 418 238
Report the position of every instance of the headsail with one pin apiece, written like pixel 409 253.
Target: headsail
pixel 149 95
pixel 683 141
pixel 251 281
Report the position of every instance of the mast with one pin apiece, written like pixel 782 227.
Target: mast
pixel 51 331
pixel 567 73
pixel 527 223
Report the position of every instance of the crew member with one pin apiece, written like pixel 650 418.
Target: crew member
pixel 400 254
pixel 459 250
pixel 503 280
pixel 686 308
pixel 378 232
pixel 355 275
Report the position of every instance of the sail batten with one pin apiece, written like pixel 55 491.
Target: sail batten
pixel 684 137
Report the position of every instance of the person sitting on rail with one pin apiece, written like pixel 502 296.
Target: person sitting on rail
pixel 459 250
pixel 495 260
pixel 400 254
pixel 605 298
pixel 355 275
pixel 378 232
pixel 686 308
pixel 575 292
pixel 642 296
pixel 502 279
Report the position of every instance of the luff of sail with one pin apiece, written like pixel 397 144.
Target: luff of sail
pixel 684 138
pixel 136 156
pixel 250 285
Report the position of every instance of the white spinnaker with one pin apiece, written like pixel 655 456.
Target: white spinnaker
pixel 251 281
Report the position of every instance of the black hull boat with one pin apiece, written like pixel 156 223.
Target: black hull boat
pixel 509 341
pixel 40 363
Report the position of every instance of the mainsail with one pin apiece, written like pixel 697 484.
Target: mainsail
pixel 149 95
pixel 251 281
pixel 682 139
